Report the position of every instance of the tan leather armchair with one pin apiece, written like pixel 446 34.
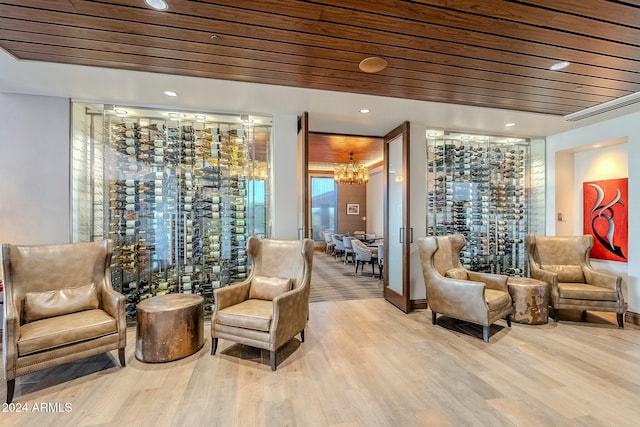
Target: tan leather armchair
pixel 272 305
pixel 479 298
pixel 59 306
pixel 563 262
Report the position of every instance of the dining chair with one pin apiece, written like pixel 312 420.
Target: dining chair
pixel 328 242
pixel 348 249
pixel 364 255
pixel 338 249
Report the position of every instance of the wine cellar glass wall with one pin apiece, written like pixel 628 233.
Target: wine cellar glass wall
pixel 479 186
pixel 178 195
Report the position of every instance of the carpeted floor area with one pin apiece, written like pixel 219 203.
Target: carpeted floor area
pixel 331 280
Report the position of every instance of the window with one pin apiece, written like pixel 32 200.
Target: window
pixel 324 199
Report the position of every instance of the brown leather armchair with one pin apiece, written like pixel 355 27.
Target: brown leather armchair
pixel 272 305
pixel 480 298
pixel 563 262
pixel 59 306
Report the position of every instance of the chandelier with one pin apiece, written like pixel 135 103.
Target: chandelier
pixel 351 173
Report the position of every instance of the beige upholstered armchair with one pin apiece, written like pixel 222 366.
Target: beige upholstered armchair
pixel 563 262
pixel 480 298
pixel 272 305
pixel 59 306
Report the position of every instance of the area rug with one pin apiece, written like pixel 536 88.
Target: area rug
pixel 332 280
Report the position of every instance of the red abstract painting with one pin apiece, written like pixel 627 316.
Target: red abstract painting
pixel 606 218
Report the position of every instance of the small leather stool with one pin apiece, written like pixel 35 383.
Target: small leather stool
pixel 530 300
pixel 169 327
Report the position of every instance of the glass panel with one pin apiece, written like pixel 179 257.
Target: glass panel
pixel 178 196
pixel 324 199
pixel 480 186
pixel 397 231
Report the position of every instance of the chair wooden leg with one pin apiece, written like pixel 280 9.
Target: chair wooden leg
pixel 620 317
pixel 302 335
pixel 433 317
pixel 508 320
pixel 11 386
pixel 214 346
pixel 123 361
pixel 272 359
pixel 485 333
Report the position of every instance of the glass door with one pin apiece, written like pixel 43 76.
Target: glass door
pixel 398 235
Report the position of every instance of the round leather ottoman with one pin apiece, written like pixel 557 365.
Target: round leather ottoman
pixel 169 327
pixel 530 300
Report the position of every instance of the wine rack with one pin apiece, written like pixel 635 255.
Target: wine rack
pixel 179 199
pixel 479 187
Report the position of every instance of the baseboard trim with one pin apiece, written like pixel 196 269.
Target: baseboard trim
pixel 632 317
pixel 418 304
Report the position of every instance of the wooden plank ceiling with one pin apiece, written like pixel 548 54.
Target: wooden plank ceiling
pixel 487 53
pixel 326 150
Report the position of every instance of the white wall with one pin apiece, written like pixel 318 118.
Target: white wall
pixel 34 169
pixel 284 190
pixel 587 166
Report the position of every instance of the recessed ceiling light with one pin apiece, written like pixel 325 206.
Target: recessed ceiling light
pixel 597 146
pixel 365 110
pixel 120 111
pixel 174 115
pixel 508 125
pixel 170 93
pixel 559 65
pixel 373 64
pixel 200 116
pixel 157 4
pixel 432 134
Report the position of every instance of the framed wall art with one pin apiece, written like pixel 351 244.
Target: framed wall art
pixel 353 209
pixel 605 217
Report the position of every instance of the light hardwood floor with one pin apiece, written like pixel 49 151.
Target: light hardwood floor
pixel 364 363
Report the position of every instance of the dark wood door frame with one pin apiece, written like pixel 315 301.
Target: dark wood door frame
pixel 402 301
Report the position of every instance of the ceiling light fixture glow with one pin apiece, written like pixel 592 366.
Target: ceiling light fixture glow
pixel 508 125
pixel 170 93
pixel 351 173
pixel 157 4
pixel 120 111
pixel 174 115
pixel 373 64
pixel 559 65
pixel 365 110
